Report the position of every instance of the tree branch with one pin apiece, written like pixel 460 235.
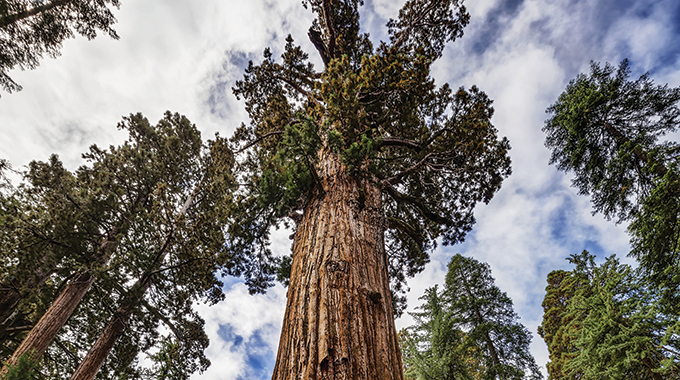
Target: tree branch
pixel 395 141
pixel 394 179
pixel 320 46
pixel 424 210
pixel 163 318
pixel 332 35
pixel 257 141
pixel 10 19
pixel 297 88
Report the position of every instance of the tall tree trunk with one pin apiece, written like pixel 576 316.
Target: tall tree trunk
pixel 93 361
pixel 339 322
pixel 47 328
pixel 88 368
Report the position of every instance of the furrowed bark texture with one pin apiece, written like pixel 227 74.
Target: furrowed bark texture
pixel 339 322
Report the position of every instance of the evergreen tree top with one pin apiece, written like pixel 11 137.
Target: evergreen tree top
pixel 431 150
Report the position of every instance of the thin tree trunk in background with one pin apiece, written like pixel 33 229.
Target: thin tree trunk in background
pixel 47 328
pixel 339 322
pixel 93 361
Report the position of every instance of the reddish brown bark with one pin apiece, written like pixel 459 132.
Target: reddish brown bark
pixel 47 328
pixel 339 322
pixel 42 334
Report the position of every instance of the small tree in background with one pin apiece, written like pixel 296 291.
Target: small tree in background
pixel 469 330
pixel 611 325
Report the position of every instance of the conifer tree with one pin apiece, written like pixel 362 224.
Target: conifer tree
pixel 608 131
pixel 611 327
pixel 370 162
pixel 557 328
pixel 31 29
pixel 433 348
pixel 485 313
pixel 132 197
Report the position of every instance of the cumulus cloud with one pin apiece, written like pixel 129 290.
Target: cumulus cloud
pixel 185 57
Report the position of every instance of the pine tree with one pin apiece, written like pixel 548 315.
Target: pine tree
pixel 485 313
pixel 607 130
pixel 559 330
pixel 433 349
pixel 617 329
pixel 30 29
pixel 370 162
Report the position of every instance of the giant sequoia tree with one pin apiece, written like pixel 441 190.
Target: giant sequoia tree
pixel 372 162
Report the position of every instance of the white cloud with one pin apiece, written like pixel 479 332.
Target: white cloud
pixel 179 55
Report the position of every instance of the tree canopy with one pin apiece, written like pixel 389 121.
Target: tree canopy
pixel 608 130
pixel 31 29
pixel 431 150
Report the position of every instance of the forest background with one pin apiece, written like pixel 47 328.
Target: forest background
pixel 185 57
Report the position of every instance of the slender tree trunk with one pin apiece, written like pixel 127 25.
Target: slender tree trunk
pixel 93 361
pixel 42 334
pixel 88 368
pixel 339 322
pixel 47 328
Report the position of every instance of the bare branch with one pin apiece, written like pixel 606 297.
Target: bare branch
pixel 297 88
pixel 320 46
pixel 395 141
pixel 394 179
pixel 258 140
pixel 163 318
pixel 424 210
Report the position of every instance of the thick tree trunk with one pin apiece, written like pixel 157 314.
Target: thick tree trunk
pixel 339 322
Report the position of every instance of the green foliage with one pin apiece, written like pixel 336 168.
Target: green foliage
pixel 25 369
pixel 164 196
pixel 604 127
pixel 433 152
pixel 607 130
pixel 31 29
pixel 432 349
pixel 468 330
pixel 610 325
pixel 557 328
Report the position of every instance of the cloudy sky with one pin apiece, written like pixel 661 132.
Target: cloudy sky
pixel 184 56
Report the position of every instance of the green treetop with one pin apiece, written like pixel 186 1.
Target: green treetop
pixel 608 131
pixel 31 29
pixel 431 150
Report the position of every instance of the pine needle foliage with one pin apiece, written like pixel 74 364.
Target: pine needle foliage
pixel 468 330
pixel 30 30
pixel 432 150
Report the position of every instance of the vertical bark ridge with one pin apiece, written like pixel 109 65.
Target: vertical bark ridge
pixel 338 322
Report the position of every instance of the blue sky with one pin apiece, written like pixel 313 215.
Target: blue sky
pixel 185 56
